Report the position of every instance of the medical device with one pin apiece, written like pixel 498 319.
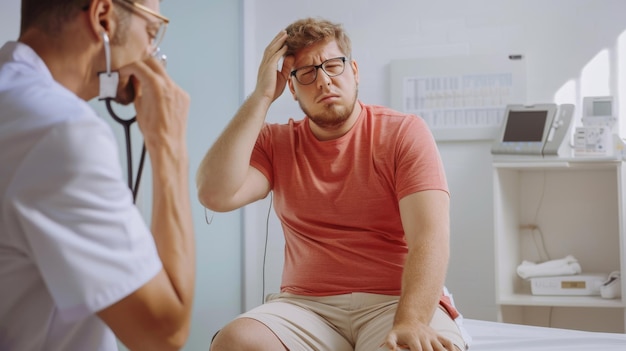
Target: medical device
pixel 595 137
pixel 109 81
pixel 127 123
pixel 579 284
pixel 539 129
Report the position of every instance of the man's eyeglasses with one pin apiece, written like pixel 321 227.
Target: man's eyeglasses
pixel 308 74
pixel 156 33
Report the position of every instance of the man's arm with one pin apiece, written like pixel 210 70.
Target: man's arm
pixel 157 316
pixel 225 179
pixel 425 218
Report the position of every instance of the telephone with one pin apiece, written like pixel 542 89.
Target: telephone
pixel 539 129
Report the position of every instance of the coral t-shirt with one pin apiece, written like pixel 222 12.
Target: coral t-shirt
pixel 338 200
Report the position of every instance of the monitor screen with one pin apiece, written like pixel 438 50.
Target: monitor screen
pixel 602 108
pixel 525 126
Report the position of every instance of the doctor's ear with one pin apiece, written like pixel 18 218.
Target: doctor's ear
pixel 101 17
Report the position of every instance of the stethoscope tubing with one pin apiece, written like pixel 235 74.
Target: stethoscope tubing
pixel 127 123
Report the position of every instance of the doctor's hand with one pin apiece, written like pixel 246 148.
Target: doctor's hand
pixel 161 105
pixel 419 337
pixel 271 82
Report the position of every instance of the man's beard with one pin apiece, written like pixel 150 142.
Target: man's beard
pixel 333 116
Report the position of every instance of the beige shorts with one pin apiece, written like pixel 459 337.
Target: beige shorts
pixel 350 322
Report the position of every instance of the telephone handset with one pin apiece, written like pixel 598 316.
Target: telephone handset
pixel 559 129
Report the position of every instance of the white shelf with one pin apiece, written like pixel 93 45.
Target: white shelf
pixel 559 301
pixel 578 204
pixel 523 162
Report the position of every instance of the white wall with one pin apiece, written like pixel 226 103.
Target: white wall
pixel 571 47
pixel 563 42
pixel 204 47
pixel 203 44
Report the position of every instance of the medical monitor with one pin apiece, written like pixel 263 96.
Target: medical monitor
pixel 599 111
pixel 524 129
pixel 598 106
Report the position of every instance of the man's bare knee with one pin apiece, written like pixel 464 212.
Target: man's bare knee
pixel 246 334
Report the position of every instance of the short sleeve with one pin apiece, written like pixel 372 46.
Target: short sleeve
pixel 261 158
pixel 418 163
pixel 88 240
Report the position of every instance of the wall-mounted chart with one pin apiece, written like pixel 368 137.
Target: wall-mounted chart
pixel 460 97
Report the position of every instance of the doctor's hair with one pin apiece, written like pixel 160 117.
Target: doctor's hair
pixel 308 31
pixel 51 15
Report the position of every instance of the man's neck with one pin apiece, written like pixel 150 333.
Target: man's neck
pixel 66 58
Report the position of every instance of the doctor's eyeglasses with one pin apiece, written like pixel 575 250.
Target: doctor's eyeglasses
pixel 156 30
pixel 308 74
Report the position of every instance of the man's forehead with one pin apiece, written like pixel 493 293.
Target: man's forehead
pixel 317 52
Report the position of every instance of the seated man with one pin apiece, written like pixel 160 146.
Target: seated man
pixel 362 196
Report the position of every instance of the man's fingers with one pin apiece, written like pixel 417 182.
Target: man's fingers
pixel 278 41
pixel 148 70
pixel 156 65
pixel 446 343
pixel 276 49
pixel 391 343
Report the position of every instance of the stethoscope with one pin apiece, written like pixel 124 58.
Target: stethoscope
pixel 108 90
pixel 127 123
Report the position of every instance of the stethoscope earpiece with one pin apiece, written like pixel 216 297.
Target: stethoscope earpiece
pixel 108 79
pixel 161 57
pixel 108 90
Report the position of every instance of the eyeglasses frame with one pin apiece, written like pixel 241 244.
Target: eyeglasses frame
pixel 316 67
pixel 149 11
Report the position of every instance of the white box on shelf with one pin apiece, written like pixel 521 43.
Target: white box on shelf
pixel 579 284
